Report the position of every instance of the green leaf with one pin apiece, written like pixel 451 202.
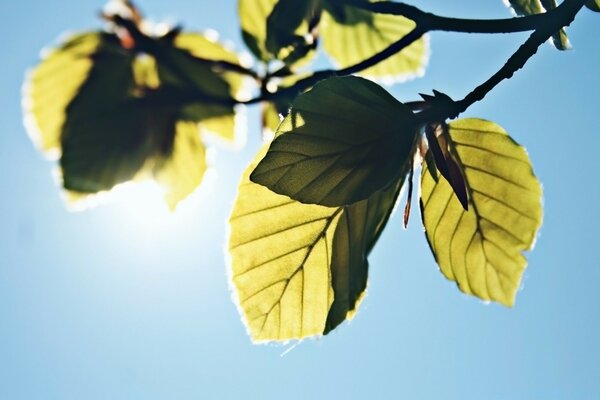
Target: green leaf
pixel 184 65
pixel 287 27
pixel 353 35
pixel 342 141
pixel 531 7
pixel 53 84
pixel 298 269
pixel 278 29
pixel 253 16
pixel 181 171
pixel 481 250
pixel 115 114
pixel 593 5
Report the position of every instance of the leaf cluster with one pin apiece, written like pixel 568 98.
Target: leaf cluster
pixel 126 103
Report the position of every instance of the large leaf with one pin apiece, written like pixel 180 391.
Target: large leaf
pixel 531 7
pixel 278 29
pixel 115 114
pixel 341 142
pixel 481 249
pixel 299 269
pixel 350 35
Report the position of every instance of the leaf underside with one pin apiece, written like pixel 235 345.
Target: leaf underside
pixel 481 249
pixel 341 142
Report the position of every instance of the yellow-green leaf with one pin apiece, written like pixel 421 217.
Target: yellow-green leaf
pixel 115 114
pixel 342 141
pixel 182 169
pixel 53 84
pixel 482 249
pixel 362 34
pixel 299 269
pixel 183 65
pixel 278 29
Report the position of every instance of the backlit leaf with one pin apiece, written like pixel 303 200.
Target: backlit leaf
pixel 353 35
pixel 342 141
pixel 278 29
pixel 115 114
pixel 182 169
pixel 53 84
pixel 481 249
pixel 298 269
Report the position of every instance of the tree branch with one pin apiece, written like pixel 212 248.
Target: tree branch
pixel 431 22
pixel 554 20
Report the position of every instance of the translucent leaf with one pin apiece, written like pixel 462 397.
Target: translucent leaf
pixel 279 30
pixel 362 34
pixel 181 171
pixel 342 141
pixel 481 249
pixel 531 7
pixel 299 269
pixel 253 20
pixel 116 115
pixel 53 84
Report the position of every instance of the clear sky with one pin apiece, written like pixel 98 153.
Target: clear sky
pixel 127 302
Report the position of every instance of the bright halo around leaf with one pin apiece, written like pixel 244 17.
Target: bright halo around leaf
pixel 299 270
pixel 482 249
pixel 116 110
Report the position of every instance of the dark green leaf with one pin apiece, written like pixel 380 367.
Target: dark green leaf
pixel 342 141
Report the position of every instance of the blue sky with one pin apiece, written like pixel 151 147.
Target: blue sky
pixel 125 301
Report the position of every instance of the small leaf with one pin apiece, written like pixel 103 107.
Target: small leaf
pixel 437 137
pixel 481 250
pixel 277 29
pixel 300 270
pixel 341 142
pixel 287 26
pixel 593 5
pixel 351 35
